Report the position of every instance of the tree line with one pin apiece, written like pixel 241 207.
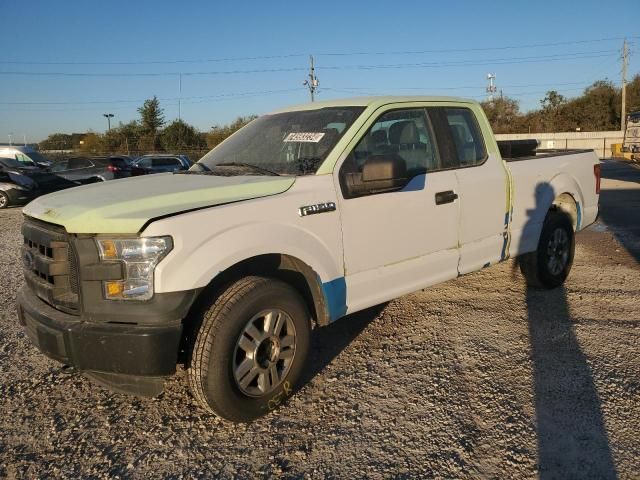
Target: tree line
pixel 149 133
pixel 597 109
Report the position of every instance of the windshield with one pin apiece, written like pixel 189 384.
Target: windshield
pixel 290 143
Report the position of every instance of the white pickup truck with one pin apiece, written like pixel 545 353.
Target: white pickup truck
pixel 300 218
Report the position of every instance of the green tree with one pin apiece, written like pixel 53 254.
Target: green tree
pixel 123 138
pixel 633 94
pixel 596 110
pixel 219 133
pixel 151 115
pixel 552 105
pixel 57 141
pixel 503 114
pixel 179 135
pixel 92 143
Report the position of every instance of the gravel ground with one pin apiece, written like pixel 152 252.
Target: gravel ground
pixel 477 377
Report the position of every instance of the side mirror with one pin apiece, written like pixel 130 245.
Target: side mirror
pixel 384 172
pixel 380 173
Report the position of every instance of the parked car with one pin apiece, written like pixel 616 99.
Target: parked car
pixel 20 183
pixel 300 218
pixel 25 155
pixel 93 168
pixel 160 163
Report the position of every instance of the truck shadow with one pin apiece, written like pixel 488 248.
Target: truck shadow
pixel 328 342
pixel 571 435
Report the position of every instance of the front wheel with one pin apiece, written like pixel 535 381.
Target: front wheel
pixel 549 266
pixel 250 349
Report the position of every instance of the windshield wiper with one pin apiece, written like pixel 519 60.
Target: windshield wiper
pixel 247 165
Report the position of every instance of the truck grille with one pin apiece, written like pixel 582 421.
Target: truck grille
pixel 49 265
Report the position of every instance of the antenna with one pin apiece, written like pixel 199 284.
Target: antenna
pixel 313 81
pixel 491 88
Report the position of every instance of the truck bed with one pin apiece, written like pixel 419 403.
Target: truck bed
pixel 537 184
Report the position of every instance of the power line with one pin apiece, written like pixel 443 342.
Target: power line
pixel 153 62
pixel 484 62
pixel 166 102
pixel 329 54
pixel 474 87
pixel 149 74
pixel 479 49
pixel 270 92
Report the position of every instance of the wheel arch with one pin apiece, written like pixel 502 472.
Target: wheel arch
pixel 568 198
pixel 287 268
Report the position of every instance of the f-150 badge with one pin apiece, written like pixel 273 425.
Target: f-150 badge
pixel 317 208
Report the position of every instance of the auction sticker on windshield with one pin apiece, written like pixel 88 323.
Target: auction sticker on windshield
pixel 311 137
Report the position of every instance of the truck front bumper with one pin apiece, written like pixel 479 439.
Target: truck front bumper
pixel 126 357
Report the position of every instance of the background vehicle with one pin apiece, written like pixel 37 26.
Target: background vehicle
pixel 20 183
pixel 25 155
pixel 299 218
pixel 160 163
pixel 97 168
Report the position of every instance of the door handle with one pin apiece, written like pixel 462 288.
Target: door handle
pixel 446 197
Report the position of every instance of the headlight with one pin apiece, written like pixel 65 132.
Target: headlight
pixel 139 257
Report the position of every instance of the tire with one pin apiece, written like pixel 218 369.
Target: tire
pixel 220 378
pixel 4 200
pixel 549 266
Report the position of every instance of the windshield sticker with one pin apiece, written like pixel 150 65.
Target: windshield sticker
pixel 309 137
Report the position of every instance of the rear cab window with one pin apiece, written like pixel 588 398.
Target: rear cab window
pixel 459 138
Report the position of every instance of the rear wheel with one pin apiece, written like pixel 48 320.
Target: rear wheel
pixel 550 264
pixel 4 200
pixel 250 349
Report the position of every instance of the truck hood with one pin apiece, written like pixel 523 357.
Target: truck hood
pixel 125 206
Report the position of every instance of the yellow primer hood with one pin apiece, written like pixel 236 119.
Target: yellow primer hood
pixel 125 206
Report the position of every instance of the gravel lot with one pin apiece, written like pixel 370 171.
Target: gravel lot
pixel 474 378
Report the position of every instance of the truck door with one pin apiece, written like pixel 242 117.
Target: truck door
pixel 400 240
pixel 483 189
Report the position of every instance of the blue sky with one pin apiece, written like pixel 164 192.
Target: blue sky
pixel 107 51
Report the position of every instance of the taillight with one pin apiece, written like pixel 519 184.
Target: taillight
pixel 596 172
pixel 112 168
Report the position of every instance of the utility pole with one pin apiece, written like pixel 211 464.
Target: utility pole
pixel 108 116
pixel 179 96
pixel 491 88
pixel 313 82
pixel 623 110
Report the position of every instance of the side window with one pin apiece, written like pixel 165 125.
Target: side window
pixel 401 137
pixel 166 162
pixel 145 163
pixel 401 134
pixel 75 163
pixel 466 136
pixel 59 166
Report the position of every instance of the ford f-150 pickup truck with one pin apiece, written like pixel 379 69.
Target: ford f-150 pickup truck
pixel 300 218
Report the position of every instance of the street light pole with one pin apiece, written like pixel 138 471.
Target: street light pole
pixel 108 116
